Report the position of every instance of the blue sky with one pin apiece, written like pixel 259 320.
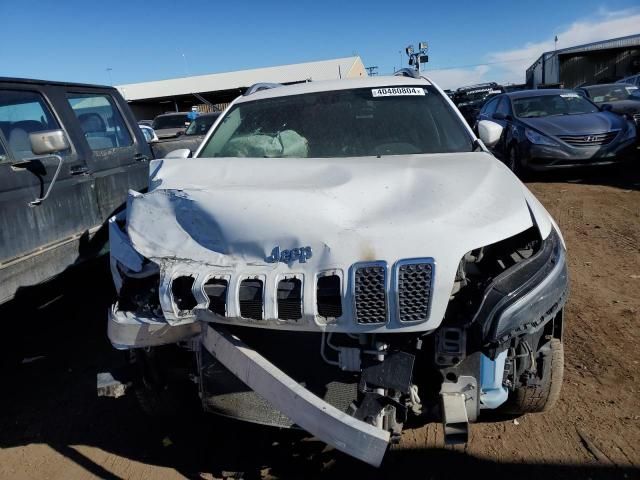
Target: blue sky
pixel 78 40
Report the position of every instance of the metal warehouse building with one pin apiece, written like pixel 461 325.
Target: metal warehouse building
pixel 597 62
pixel 207 92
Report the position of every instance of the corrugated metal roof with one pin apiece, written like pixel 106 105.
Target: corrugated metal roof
pixel 348 67
pixel 620 42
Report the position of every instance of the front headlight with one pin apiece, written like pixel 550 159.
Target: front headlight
pixel 514 284
pixel 539 139
pixel 631 131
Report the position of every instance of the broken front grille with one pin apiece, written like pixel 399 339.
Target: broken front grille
pixel 181 288
pixel 414 291
pixel 251 298
pixel 370 294
pixel 329 297
pixel 589 140
pixel 290 299
pixel 216 290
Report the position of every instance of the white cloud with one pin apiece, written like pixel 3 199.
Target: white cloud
pixel 509 66
pixel 456 77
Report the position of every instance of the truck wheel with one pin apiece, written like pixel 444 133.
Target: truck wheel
pixel 541 397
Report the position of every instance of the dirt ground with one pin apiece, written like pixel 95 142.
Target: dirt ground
pixel 52 424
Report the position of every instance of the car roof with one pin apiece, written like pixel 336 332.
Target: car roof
pixel 540 92
pixel 33 81
pixel 477 86
pixel 621 84
pixel 172 114
pixel 334 85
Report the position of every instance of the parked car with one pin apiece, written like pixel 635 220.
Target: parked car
pixel 470 99
pixel 550 129
pixel 68 155
pixel 343 256
pixel 621 98
pixel 170 125
pixel 193 135
pixel 633 80
pixel 146 123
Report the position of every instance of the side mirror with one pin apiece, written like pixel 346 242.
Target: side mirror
pixel 606 107
pixel 501 116
pixel 489 132
pixel 180 153
pixel 48 141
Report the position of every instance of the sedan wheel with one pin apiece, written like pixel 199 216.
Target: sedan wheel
pixel 513 162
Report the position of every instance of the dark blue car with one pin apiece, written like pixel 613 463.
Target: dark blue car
pixel 548 129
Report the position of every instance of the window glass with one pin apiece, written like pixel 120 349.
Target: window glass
pixel 552 105
pixel 612 93
pixel 179 120
pixel 23 113
pixel 100 120
pixel 344 123
pixel 490 107
pixel 503 106
pixel 202 124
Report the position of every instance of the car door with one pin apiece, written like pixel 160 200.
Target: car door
pixel 116 150
pixel 71 207
pixel 487 110
pixel 503 116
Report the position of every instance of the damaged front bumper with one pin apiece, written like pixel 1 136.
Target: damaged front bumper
pixel 348 434
pixel 357 397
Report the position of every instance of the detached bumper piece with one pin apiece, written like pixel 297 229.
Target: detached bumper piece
pixel 346 433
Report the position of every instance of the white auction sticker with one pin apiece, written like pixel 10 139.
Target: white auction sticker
pixel 569 95
pixel 397 91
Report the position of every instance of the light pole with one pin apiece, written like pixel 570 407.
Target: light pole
pixel 110 77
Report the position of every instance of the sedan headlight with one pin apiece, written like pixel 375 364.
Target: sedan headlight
pixel 539 139
pixel 631 131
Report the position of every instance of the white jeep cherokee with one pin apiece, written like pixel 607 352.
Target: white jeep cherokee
pixel 341 256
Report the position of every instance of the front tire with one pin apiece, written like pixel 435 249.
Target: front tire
pixel 513 161
pixel 544 395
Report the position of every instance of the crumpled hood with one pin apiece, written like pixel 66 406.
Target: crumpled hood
pixel 232 212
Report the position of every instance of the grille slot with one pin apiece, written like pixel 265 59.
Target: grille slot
pixel 251 296
pixel 329 297
pixel 414 291
pixel 290 299
pixel 371 294
pixel 216 289
pixel 182 294
pixel 636 118
pixel 589 140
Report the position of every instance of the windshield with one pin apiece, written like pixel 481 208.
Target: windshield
pixel 170 121
pixel 612 93
pixel 550 105
pixel 201 125
pixel 345 123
